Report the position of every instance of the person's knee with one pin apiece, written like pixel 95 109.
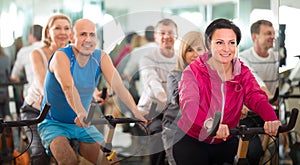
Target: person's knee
pixel 40 159
pixel 36 147
pixel 38 150
pixel 91 152
pixel 155 126
pixel 62 151
pixel 255 147
pixel 255 150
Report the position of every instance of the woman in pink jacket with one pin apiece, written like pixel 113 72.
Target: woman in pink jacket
pixel 217 81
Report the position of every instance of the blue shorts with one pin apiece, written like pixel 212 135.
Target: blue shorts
pixel 50 129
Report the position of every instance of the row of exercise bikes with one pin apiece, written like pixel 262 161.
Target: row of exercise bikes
pixel 288 116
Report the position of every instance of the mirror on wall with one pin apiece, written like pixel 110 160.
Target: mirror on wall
pixel 290 9
pixel 16 16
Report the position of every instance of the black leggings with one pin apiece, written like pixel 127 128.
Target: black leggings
pixel 191 151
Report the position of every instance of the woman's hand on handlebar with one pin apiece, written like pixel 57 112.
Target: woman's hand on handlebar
pixel 271 127
pixel 223 132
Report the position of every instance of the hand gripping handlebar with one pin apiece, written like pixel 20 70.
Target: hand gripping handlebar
pixel 243 131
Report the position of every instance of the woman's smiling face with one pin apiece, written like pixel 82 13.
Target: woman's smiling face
pixel 223 45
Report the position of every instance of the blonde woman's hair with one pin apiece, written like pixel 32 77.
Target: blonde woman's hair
pixel 190 39
pixel 46 36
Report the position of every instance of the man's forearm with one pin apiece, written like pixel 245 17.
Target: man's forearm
pixel 73 100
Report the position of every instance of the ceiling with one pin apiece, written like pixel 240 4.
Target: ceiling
pixel 158 4
pixel 138 5
pixel 46 6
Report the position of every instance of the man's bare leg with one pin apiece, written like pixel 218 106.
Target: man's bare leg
pixel 62 151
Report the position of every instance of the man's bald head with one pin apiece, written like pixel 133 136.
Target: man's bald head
pixel 84 22
pixel 85 36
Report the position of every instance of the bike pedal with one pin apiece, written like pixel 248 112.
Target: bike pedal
pixel 111 156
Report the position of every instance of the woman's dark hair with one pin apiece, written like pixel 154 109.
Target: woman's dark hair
pixel 221 23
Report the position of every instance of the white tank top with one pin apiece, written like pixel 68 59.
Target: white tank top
pixel 33 96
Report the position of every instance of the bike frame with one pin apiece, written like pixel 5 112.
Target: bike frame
pixel 111 122
pixel 20 123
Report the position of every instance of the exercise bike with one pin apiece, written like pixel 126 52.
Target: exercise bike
pixel 245 134
pixel 6 157
pixel 111 123
pixel 10 140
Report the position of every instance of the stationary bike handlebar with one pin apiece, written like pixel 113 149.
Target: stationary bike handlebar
pixel 244 131
pixel 5 84
pixel 108 119
pixel 22 123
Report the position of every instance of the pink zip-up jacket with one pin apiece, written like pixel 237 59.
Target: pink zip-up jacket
pixel 202 92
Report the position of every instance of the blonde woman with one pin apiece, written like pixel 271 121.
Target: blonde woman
pixel 56 35
pixel 192 45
